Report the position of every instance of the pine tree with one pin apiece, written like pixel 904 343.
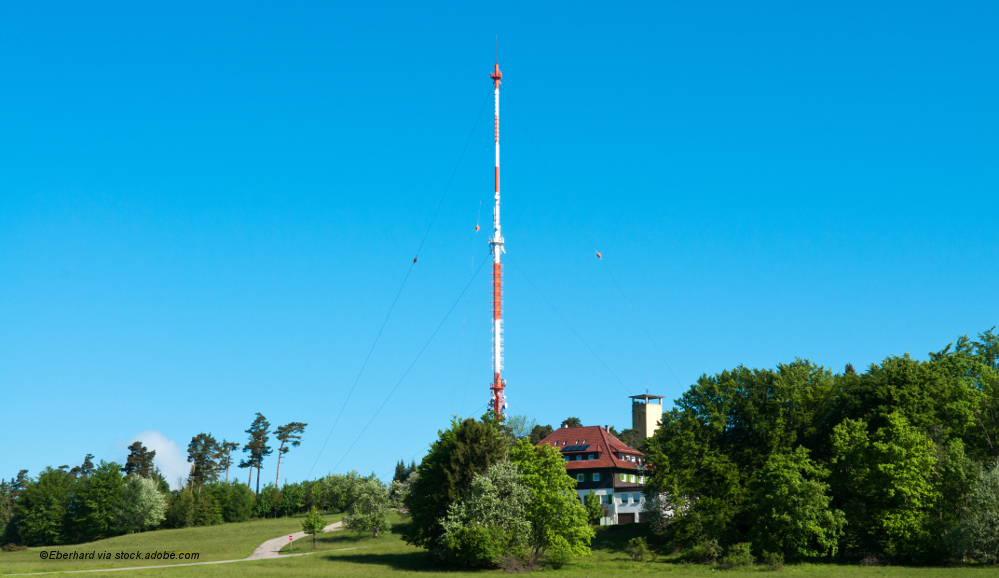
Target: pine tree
pixel 226 459
pixel 572 422
pixel 257 446
pixel 85 469
pixel 289 435
pixel 539 433
pixel 139 461
pixel 203 454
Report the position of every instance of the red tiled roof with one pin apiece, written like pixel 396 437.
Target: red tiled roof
pixel 599 440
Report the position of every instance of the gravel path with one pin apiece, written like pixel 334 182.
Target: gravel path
pixel 265 551
pixel 270 548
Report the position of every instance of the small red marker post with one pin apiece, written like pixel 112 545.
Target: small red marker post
pixel 291 543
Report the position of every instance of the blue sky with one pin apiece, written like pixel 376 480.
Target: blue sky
pixel 206 211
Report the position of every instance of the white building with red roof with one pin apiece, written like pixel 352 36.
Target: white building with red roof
pixel 603 465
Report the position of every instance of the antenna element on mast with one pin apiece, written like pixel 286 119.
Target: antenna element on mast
pixel 497 402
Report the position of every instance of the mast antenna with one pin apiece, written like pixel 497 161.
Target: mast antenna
pixel 497 401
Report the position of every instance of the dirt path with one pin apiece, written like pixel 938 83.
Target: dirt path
pixel 265 551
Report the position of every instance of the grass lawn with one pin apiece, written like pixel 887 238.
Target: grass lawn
pixel 389 555
pixel 223 542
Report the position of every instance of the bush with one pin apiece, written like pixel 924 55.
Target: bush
pixel 637 548
pixel 774 561
pixel 12 547
pixel 558 557
pixel 706 552
pixel 514 565
pixel 474 545
pixel 738 555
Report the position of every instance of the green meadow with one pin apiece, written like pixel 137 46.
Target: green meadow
pixel 221 542
pixel 345 553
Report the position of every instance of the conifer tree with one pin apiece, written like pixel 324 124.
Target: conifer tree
pixel 257 446
pixel 203 453
pixel 289 435
pixel 85 469
pixel 226 458
pixel 139 461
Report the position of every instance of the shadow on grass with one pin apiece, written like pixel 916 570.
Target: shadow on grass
pixel 411 559
pixel 416 561
pixel 615 538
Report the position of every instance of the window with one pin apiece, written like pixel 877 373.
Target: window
pixel 624 477
pixel 633 478
pixel 605 499
pixel 580 477
pixel 596 477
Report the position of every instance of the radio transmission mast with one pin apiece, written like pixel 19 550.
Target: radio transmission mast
pixel 498 400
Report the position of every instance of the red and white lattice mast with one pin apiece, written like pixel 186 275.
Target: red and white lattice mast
pixel 497 402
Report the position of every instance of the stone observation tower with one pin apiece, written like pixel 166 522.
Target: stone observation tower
pixel 646 413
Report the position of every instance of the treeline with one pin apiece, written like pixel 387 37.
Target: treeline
pixel 90 502
pixel 64 507
pixel 896 463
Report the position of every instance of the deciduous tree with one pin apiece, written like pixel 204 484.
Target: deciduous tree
pixel 977 535
pixel 314 524
pixel 42 508
pixel 594 509
pixel 489 521
pixel 142 505
pixel 95 501
pixel 558 521
pixel 792 515
pixel 369 512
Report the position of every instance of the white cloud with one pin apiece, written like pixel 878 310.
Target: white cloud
pixel 170 459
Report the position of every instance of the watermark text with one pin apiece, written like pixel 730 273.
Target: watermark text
pixel 129 555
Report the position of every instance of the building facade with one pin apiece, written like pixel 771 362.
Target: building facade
pixel 605 466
